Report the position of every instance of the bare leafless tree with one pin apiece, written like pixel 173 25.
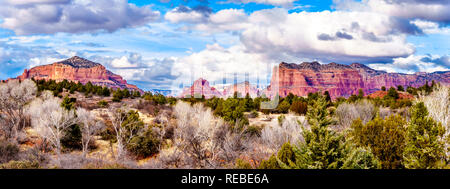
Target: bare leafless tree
pixel 14 95
pixel 124 129
pixel 347 112
pixel 50 119
pixel 274 136
pixel 90 126
pixel 194 134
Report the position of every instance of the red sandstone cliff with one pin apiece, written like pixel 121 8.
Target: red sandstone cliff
pixel 342 80
pixel 78 69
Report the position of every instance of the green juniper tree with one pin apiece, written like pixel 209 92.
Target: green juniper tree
pixel 323 148
pixel 425 147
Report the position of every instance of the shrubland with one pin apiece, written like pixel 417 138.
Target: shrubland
pixel 46 124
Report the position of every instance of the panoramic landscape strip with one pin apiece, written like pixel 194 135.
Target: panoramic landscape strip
pixel 227 84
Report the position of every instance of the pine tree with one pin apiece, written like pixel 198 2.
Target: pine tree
pixel 323 148
pixel 425 147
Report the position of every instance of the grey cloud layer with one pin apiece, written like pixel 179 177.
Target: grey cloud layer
pixel 72 16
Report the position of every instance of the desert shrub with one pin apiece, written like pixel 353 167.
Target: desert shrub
pixel 105 166
pixel 281 119
pixel 253 114
pixel 361 158
pixel 385 137
pixel 102 103
pixel 253 130
pixel 286 154
pixel 284 157
pixel 392 94
pixel 299 107
pixel 271 163
pixel 242 164
pixel 20 165
pixel 145 144
pixel 274 135
pixel 8 151
pixel 283 107
pixel 231 110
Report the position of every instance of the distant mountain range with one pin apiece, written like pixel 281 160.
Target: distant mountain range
pixel 309 77
pixel 299 79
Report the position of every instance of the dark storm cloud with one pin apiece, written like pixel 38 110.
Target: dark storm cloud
pixel 442 61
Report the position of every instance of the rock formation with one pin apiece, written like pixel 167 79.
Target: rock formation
pixel 200 87
pixel 78 70
pixel 342 80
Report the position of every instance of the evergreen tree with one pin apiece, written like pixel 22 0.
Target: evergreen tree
pixel 392 94
pixel 425 147
pixel 323 148
pixel 360 94
pixel 361 158
pixel 400 88
pixel 68 103
pixel 383 88
pixel 283 107
pixel 327 97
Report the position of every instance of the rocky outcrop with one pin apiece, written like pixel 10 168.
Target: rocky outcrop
pixel 200 88
pixel 78 70
pixel 342 80
pixel 242 89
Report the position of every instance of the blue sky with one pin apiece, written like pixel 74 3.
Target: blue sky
pixel 164 44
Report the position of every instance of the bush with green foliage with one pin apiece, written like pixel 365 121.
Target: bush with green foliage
pixel 361 158
pixel 299 107
pixel 283 107
pixel 386 139
pixel 242 164
pixel 20 165
pixel 281 119
pixel 145 144
pixel 253 130
pixel 392 94
pixel 425 148
pixel 102 103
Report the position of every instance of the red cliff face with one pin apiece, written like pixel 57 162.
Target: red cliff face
pixel 79 70
pixel 342 80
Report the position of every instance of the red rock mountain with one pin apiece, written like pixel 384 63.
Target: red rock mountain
pixel 200 87
pixel 342 80
pixel 79 70
pixel 242 89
